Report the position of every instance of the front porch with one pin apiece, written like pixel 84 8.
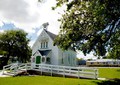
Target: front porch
pixel 41 57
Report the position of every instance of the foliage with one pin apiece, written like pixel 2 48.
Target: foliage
pixel 114 51
pixel 14 43
pixel 81 61
pixel 3 52
pixel 90 25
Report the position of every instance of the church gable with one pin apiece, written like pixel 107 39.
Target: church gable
pixel 46 39
pixel 43 36
pixel 46 35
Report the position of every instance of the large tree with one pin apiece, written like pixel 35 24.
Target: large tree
pixel 114 51
pixel 89 25
pixel 14 43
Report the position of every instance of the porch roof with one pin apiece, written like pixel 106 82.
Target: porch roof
pixel 44 52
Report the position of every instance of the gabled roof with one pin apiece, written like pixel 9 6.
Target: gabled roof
pixel 52 36
pixel 43 52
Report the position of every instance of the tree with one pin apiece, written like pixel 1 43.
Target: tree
pixel 14 43
pixel 89 25
pixel 114 51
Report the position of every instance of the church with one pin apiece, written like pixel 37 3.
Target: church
pixel 44 52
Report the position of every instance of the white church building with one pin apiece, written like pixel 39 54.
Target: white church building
pixel 44 52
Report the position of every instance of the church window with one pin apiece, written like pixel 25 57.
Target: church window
pixel 44 44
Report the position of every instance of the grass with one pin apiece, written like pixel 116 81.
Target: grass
pixel 47 80
pixel 109 72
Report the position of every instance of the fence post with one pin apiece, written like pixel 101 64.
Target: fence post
pixel 58 68
pixel 15 69
pixel 78 73
pixel 41 69
pixel 51 71
pixel 31 66
pixel 26 66
pixel 3 70
pixel 96 74
pixel 63 71
pixel 69 70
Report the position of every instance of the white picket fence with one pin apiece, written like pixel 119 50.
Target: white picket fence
pixel 79 72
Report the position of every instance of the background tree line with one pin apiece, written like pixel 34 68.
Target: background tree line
pixel 14 45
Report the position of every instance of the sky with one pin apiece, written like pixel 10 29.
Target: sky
pixel 29 15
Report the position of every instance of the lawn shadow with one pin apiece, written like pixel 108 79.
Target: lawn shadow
pixel 118 70
pixel 109 82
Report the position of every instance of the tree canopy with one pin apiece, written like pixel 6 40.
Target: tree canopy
pixel 90 25
pixel 14 43
pixel 114 51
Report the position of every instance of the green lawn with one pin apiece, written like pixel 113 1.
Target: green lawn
pixel 109 72
pixel 47 80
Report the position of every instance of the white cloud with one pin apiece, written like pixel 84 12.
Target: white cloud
pixel 51 16
pixel 31 43
pixel 1 23
pixel 28 14
pixel 1 31
pixel 38 33
pixel 23 13
pixel 88 56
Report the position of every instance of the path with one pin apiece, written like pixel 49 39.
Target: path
pixel 1 74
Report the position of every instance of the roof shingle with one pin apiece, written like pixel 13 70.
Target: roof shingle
pixel 52 36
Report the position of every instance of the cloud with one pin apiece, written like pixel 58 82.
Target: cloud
pixel 88 56
pixel 1 23
pixel 23 13
pixel 11 10
pixel 38 33
pixel 51 16
pixel 31 43
pixel 1 31
pixel 29 14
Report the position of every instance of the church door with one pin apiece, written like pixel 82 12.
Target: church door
pixel 38 59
